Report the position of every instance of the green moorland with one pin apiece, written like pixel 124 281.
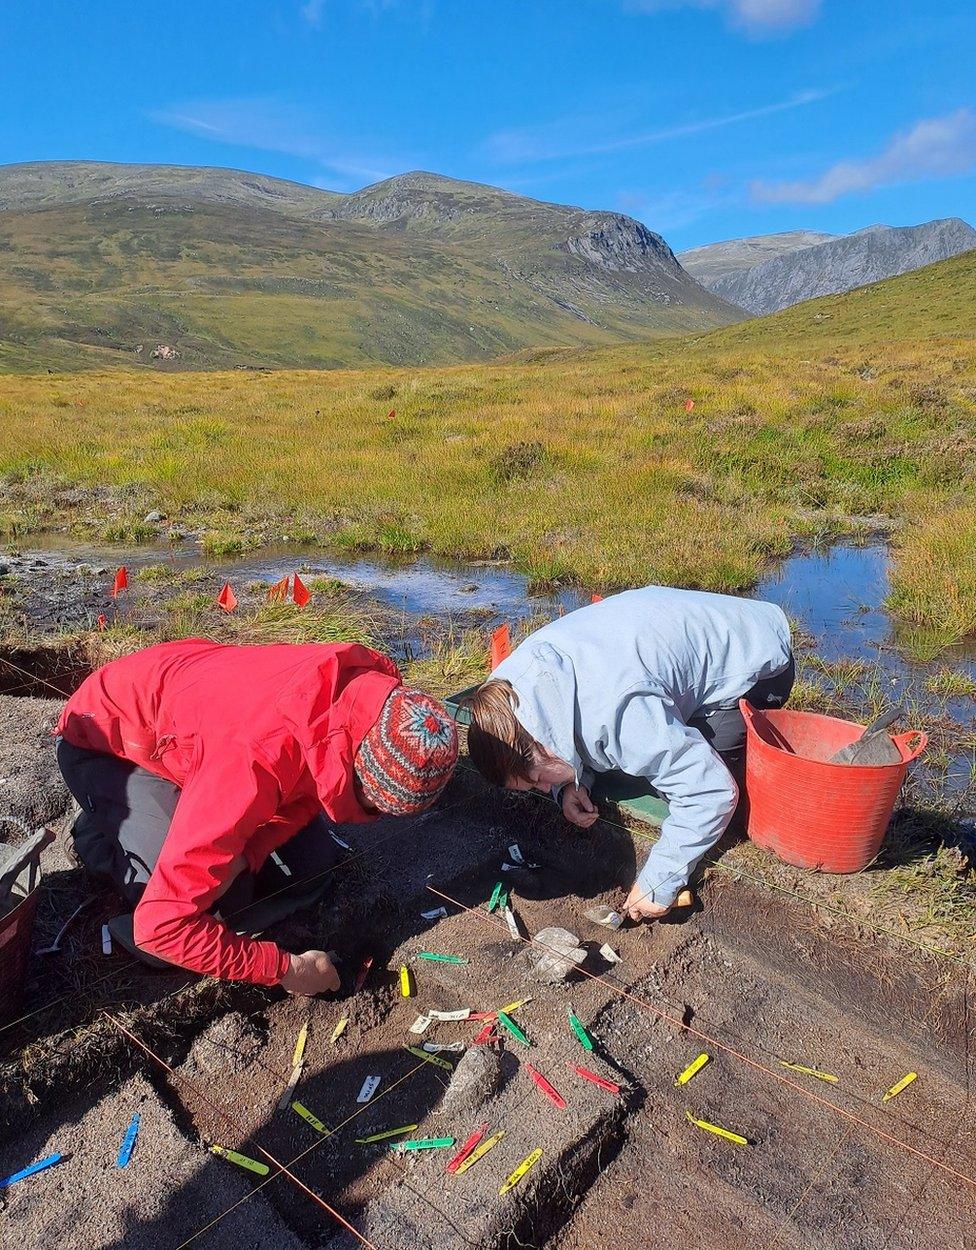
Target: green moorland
pixel 226 270
pixel 844 415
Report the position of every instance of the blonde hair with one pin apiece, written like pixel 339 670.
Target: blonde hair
pixel 499 747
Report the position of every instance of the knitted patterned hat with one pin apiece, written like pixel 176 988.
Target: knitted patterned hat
pixel 407 758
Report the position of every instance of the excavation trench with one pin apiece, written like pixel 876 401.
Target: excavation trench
pixel 751 979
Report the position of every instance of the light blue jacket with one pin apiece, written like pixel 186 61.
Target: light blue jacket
pixel 613 686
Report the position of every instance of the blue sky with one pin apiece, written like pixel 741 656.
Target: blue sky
pixel 707 119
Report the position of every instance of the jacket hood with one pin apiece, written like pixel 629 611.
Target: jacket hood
pixel 330 705
pixel 548 708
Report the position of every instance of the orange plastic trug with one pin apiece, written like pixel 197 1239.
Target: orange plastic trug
pixel 807 811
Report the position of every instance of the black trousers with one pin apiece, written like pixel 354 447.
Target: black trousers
pixel 724 729
pixel 126 814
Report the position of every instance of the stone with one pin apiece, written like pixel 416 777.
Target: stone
pixel 154 517
pixel 562 955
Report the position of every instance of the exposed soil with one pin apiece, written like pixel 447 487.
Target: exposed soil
pixel 752 977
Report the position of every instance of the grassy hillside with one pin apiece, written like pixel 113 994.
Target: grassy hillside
pixel 229 270
pixel 579 465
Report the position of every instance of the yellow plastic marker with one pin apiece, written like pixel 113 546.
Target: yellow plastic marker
pixel 717 1130
pixel 515 1006
pixel 902 1084
pixel 387 1133
pixel 339 1029
pixel 514 1177
pixel 304 1112
pixel 299 1054
pixel 692 1068
pixel 423 1054
pixel 242 1161
pixel 480 1151
pixel 407 987
pixel 798 1067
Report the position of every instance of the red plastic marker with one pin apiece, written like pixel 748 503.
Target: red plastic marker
pixel 595 598
pixel 299 592
pixel 486 1036
pixel 587 1075
pixel 467 1148
pixel 552 1094
pixel 121 581
pixel 363 974
pixel 391 415
pixel 689 405
pixel 102 623
pixel 501 645
pixel 227 599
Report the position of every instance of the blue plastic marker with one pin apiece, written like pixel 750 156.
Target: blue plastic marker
pixel 128 1141
pixel 34 1167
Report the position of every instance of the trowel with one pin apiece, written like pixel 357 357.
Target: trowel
pixel 610 919
pixel 874 747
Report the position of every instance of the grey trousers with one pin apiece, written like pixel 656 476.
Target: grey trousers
pixel 125 816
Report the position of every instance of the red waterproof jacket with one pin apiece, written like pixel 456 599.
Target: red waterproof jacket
pixel 260 740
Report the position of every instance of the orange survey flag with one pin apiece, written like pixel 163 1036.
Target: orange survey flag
pixel 121 581
pixel 299 592
pixel 391 415
pixel 595 598
pixel 101 622
pixel 278 591
pixel 501 645
pixel 227 599
pixel 689 405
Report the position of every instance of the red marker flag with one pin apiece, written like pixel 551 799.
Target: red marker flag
pixel 299 592
pixel 595 598
pixel 486 1036
pixel 121 581
pixel 391 415
pixel 227 599
pixel 587 1075
pixel 467 1148
pixel 689 405
pixel 101 622
pixel 552 1094
pixel 501 645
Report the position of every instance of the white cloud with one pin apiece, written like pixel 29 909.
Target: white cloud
pixel 313 11
pixel 757 17
pixel 272 126
pixel 938 147
pixel 559 140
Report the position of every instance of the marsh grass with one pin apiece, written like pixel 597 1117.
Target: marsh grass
pixel 579 466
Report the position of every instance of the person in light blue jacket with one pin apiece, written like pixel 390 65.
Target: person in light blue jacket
pixel 646 683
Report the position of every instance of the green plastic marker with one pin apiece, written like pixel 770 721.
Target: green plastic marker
pixel 434 957
pixel 387 1133
pixel 507 1022
pixel 577 1026
pixel 496 895
pixel 423 1143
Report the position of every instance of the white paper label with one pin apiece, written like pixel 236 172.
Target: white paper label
pixel 515 854
pixel 420 1025
pixel 609 954
pixel 370 1086
pixel 450 1015
pixel 106 940
pixel 435 914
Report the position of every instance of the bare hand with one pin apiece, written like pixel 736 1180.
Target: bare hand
pixel 640 907
pixel 578 807
pixel 310 973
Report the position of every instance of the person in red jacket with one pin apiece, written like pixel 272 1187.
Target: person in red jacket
pixel 203 772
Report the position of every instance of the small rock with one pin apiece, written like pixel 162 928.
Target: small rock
pixel 477 1077
pixel 562 955
pixel 154 517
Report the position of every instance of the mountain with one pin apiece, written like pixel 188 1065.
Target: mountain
pixel 827 267
pixel 716 260
pixel 199 268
